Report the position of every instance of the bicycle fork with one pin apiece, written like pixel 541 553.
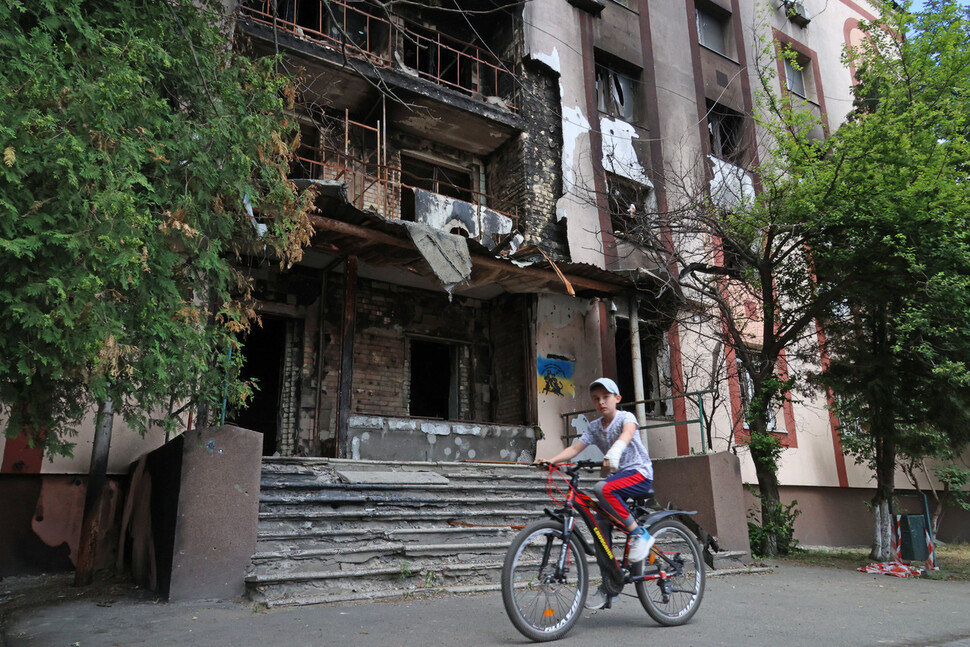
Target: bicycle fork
pixel 568 521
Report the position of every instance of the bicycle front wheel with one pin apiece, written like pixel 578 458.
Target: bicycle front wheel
pixel 673 595
pixel 542 600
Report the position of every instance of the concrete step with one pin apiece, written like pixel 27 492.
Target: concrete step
pixel 286 540
pixel 336 530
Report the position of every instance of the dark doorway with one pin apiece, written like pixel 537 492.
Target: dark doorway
pixel 430 379
pixel 263 349
pixel 624 368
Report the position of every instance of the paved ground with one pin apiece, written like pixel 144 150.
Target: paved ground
pixel 792 606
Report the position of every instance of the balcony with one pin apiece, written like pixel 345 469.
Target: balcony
pixel 356 154
pixel 361 32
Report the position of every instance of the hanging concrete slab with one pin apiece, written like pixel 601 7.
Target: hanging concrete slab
pixel 446 254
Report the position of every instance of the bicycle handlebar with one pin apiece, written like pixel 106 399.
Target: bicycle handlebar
pixel 572 468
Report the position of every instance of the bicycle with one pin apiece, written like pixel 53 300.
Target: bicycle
pixel 545 574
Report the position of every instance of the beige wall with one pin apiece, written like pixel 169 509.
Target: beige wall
pixel 126 446
pixel 567 327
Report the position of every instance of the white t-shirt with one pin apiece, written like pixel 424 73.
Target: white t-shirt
pixel 634 457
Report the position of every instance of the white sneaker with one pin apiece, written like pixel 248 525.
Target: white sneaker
pixel 640 546
pixel 599 599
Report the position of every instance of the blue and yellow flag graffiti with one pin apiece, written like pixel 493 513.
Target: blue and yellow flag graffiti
pixel 555 375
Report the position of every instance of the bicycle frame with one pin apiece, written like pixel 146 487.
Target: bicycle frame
pixel 578 503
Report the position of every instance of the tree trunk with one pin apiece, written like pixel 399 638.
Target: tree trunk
pixel 882 545
pixel 884 435
pixel 770 501
pixel 97 476
pixel 764 450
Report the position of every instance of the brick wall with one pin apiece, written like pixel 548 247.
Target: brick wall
pixel 491 385
pixel 293 359
pixel 542 159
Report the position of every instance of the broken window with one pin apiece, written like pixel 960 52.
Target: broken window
pixel 627 201
pixel 616 90
pixel 333 21
pixel 437 178
pixel 726 128
pixel 432 380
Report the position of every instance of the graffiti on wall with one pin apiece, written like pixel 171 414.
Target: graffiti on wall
pixel 555 375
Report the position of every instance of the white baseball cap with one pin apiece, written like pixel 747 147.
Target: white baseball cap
pixel 607 384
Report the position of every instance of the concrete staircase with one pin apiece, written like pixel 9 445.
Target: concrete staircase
pixel 338 530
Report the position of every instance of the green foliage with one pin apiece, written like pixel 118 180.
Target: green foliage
pixel 131 135
pixel 899 244
pixel 955 479
pixel 772 520
pixel 765 449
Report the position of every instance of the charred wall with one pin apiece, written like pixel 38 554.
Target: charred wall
pixel 484 338
pixel 541 152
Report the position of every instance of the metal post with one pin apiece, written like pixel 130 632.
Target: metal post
pixel 225 387
pixel 638 393
pixel 700 417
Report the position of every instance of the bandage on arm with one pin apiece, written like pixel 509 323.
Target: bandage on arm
pixel 613 455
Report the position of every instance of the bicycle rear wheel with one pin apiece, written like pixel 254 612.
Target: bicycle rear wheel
pixel 674 596
pixel 543 604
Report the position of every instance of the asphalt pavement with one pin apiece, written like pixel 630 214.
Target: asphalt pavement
pixel 790 606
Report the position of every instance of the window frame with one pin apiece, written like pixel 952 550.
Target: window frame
pixel 792 72
pixel 746 387
pixel 632 194
pixel 705 16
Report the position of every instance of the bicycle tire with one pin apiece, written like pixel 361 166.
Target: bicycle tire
pixel 673 600
pixel 540 608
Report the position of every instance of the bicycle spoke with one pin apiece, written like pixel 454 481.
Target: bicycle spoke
pixel 542 602
pixel 675 581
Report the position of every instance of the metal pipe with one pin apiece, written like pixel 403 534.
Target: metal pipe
pixel 635 353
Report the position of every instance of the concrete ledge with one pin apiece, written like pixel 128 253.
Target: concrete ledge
pixel 393 478
pixel 711 485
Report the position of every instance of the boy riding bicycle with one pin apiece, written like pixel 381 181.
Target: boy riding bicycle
pixel 616 435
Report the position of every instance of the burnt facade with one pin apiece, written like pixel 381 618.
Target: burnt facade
pixel 436 143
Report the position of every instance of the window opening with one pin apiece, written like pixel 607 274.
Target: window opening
pixel 433 177
pixel 616 91
pixel 712 31
pixel 795 78
pixel 431 379
pixel 302 166
pixel 747 393
pixel 726 128
pixel 627 201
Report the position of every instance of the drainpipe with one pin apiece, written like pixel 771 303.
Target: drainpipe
pixel 638 394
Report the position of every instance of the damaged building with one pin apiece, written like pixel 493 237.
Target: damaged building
pixel 440 306
pixel 477 166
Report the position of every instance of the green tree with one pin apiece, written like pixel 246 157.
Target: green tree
pixel 899 219
pixel 741 229
pixel 142 158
